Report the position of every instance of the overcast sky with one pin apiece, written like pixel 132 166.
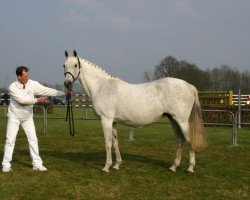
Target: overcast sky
pixel 125 37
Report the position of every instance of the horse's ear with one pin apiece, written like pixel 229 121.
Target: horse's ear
pixel 66 54
pixel 75 54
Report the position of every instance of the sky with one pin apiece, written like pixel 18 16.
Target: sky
pixel 125 37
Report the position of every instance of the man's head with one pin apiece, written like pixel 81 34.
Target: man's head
pixel 22 73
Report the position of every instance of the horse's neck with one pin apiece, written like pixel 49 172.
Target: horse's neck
pixel 92 78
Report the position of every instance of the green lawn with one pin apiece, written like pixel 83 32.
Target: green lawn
pixel 74 165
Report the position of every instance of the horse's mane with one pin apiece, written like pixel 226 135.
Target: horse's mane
pixel 98 68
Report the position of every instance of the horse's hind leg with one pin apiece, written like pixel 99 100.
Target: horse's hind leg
pixel 191 161
pixel 177 160
pixel 183 130
pixel 180 140
pixel 107 130
pixel 117 151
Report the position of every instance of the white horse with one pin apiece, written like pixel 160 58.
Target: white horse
pixel 116 101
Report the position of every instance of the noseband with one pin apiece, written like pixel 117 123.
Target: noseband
pixel 74 79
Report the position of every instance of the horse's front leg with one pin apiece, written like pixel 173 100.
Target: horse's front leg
pixel 191 161
pixel 107 130
pixel 117 151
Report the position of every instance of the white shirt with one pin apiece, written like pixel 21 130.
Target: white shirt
pixel 22 100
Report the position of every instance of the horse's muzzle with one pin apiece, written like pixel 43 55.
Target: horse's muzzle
pixel 68 84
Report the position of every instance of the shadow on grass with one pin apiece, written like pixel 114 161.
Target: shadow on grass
pixel 90 158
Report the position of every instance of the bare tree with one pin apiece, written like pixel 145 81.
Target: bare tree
pixel 223 78
pixel 171 67
pixel 215 79
pixel 245 82
pixel 192 74
pixel 148 76
pixel 168 67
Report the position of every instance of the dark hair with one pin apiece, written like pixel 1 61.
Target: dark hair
pixel 20 69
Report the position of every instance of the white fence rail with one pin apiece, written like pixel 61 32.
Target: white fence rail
pixel 245 99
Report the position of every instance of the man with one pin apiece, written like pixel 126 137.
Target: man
pixel 20 112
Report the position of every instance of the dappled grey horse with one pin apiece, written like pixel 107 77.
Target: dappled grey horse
pixel 115 101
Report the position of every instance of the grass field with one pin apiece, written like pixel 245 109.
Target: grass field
pixel 74 165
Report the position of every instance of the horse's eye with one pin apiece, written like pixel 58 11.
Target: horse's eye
pixel 63 66
pixel 75 65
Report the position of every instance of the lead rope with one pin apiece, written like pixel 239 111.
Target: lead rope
pixel 69 114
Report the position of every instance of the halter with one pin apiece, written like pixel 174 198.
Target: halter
pixel 69 114
pixel 74 79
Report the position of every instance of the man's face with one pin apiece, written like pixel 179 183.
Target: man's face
pixel 24 77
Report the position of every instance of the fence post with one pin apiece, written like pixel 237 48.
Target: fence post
pixel 234 134
pixel 230 98
pixel 5 111
pixel 131 134
pixel 86 111
pixel 45 120
pixel 239 109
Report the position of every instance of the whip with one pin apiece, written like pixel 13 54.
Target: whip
pixel 69 114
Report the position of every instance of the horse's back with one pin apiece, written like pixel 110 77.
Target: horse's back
pixel 172 91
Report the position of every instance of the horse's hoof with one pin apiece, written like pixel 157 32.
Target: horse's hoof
pixel 190 169
pixel 172 169
pixel 116 167
pixel 105 170
pixel 190 172
pixel 117 164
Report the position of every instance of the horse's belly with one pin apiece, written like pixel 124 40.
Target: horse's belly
pixel 136 119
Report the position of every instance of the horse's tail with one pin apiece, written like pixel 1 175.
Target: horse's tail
pixel 197 131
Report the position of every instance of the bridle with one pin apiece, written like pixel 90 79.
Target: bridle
pixel 74 79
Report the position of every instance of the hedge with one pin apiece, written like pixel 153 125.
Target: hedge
pixel 224 117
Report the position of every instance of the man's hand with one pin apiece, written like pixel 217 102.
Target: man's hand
pixel 68 93
pixel 41 100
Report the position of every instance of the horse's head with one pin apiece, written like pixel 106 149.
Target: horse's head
pixel 72 67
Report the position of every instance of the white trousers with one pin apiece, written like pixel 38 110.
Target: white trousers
pixel 12 130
